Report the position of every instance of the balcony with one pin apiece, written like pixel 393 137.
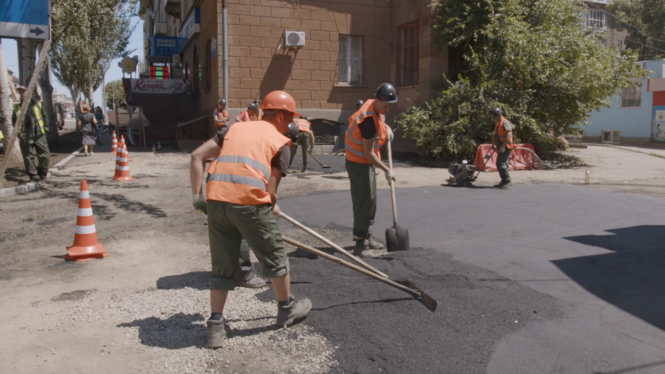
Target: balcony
pixel 172 8
pixel 160 28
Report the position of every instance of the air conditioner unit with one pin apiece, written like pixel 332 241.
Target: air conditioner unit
pixel 613 137
pixel 294 39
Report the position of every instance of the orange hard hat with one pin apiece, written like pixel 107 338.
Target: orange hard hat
pixel 279 100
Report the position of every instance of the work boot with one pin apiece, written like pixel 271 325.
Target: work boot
pixel 503 185
pixel 373 244
pixel 363 249
pixel 295 310
pixel 304 168
pixel 255 282
pixel 216 332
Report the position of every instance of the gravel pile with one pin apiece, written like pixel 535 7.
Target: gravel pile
pixel 170 326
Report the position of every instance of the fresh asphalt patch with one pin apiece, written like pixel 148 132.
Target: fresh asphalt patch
pixel 527 279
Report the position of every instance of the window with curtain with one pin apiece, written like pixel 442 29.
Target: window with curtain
pixel 350 60
pixel 595 19
pixel 631 97
pixel 407 58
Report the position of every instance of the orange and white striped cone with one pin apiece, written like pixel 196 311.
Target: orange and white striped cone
pixel 124 146
pixel 122 166
pixel 114 144
pixel 85 247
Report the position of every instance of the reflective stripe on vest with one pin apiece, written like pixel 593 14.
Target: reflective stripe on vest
pixel 353 143
pixel 498 129
pixel 303 125
pixel 38 115
pixel 241 172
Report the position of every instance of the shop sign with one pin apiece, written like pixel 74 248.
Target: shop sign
pixel 158 86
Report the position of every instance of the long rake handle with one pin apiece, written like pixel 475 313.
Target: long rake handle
pixel 392 186
pixel 351 266
pixel 332 245
pixel 317 160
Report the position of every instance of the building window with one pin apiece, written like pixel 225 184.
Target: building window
pixel 407 58
pixel 595 19
pixel 604 42
pixel 631 97
pixel 620 45
pixel 350 60
pixel 207 79
pixel 197 70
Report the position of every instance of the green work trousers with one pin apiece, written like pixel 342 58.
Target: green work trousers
pixel 228 225
pixel 303 140
pixel 31 146
pixel 502 161
pixel 363 196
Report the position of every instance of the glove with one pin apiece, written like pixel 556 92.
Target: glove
pixel 199 203
pixel 390 136
pixel 502 149
pixel 390 176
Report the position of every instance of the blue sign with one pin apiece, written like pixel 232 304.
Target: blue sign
pixel 165 46
pixel 192 25
pixel 25 19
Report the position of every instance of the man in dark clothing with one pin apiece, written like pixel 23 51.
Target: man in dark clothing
pixel 32 137
pixel 503 142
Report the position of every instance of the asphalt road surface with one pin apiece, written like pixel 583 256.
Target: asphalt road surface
pixel 536 279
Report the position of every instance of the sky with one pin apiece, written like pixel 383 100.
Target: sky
pixel 135 43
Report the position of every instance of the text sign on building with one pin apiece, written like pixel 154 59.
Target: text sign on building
pixel 24 19
pixel 192 25
pixel 158 86
pixel 165 45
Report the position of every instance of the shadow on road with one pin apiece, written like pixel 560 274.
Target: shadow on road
pixel 195 279
pixel 632 277
pixel 155 332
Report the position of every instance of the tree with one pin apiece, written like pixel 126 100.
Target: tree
pixel 645 22
pixel 84 52
pixel 116 94
pixel 532 58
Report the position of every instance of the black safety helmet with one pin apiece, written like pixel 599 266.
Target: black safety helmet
pixel 253 107
pixel 359 103
pixel 257 102
pixel 292 132
pixel 222 101
pixel 303 117
pixel 496 112
pixel 386 93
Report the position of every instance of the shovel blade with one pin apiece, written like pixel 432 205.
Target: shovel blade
pixel 424 298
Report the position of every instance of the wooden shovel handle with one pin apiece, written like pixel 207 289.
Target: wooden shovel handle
pixel 392 186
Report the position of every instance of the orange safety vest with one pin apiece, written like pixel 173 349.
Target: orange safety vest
pixel 498 129
pixel 240 174
pixel 304 125
pixel 353 139
pixel 224 117
pixel 248 118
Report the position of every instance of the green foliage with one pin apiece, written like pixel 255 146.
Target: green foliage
pixel 532 58
pixel 116 94
pixel 645 22
pixel 87 35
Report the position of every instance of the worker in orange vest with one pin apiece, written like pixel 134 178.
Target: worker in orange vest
pixel 366 134
pixel 503 141
pixel 258 108
pixel 305 139
pixel 221 115
pixel 249 161
pixel 251 114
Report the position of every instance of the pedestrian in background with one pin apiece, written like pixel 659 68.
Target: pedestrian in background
pixel 99 116
pixel 87 124
pixel 32 136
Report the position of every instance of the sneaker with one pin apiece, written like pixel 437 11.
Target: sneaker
pixel 363 250
pixel 255 282
pixel 34 178
pixel 298 309
pixel 216 332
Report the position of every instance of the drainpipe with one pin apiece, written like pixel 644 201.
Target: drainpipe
pixel 225 53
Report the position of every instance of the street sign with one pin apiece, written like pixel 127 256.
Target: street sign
pixel 105 96
pixel 24 19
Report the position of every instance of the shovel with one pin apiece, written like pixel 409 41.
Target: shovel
pixel 407 287
pixel 317 160
pixel 332 245
pixel 397 237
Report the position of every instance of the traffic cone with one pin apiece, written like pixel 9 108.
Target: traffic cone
pixel 85 247
pixel 122 166
pixel 124 146
pixel 114 144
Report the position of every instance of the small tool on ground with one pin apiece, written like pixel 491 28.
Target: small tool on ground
pixel 407 287
pixel 397 237
pixel 317 160
pixel 331 244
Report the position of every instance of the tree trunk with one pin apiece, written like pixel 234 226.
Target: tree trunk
pixel 6 109
pixel 47 100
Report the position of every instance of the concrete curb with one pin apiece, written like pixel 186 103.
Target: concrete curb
pixel 34 186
